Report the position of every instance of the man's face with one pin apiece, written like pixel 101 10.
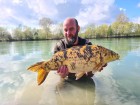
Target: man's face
pixel 70 31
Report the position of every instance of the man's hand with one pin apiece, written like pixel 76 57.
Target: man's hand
pixel 63 71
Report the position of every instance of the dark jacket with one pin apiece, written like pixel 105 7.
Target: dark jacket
pixel 62 44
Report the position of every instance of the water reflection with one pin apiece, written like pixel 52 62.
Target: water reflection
pixel 70 92
pixel 117 84
pixel 80 92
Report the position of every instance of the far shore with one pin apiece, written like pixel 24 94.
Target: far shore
pixel 13 40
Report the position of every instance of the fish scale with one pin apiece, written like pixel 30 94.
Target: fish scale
pixel 78 59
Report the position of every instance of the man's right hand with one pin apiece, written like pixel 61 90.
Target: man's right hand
pixel 63 71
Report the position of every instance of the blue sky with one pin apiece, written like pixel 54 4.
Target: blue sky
pixel 28 12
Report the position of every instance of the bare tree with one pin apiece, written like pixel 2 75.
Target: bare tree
pixel 45 24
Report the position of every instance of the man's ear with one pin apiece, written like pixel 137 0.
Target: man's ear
pixel 78 28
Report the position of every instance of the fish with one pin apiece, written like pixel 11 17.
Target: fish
pixel 78 59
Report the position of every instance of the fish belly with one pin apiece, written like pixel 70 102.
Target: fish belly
pixel 80 65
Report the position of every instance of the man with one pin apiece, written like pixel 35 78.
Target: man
pixel 71 38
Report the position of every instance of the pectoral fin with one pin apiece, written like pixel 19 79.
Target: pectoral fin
pixel 79 75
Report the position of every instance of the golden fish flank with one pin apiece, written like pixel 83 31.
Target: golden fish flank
pixel 78 59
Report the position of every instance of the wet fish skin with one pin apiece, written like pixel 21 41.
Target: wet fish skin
pixel 78 59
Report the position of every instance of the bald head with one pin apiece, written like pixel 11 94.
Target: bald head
pixel 70 30
pixel 72 21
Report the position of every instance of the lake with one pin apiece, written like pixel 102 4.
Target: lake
pixel 117 84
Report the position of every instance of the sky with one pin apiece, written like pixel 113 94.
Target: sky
pixel 28 12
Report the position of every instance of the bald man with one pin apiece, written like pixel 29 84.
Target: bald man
pixel 71 38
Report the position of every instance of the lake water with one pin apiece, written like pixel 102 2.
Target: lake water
pixel 117 84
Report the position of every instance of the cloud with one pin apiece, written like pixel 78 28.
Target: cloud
pixel 60 1
pixel 96 11
pixel 17 1
pixel 15 13
pixel 43 8
pixel 136 20
pixel 138 5
pixel 28 12
pixel 122 9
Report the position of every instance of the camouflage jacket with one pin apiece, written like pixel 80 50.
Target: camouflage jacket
pixel 62 44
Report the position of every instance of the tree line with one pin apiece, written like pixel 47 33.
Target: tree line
pixel 121 27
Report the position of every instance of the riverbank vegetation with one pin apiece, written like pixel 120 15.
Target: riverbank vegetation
pixel 121 27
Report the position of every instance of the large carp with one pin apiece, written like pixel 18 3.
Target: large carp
pixel 78 59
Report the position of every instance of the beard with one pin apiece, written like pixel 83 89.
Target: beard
pixel 73 39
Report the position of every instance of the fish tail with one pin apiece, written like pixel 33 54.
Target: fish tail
pixel 42 74
pixel 42 71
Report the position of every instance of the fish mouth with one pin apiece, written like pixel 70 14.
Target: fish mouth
pixel 118 56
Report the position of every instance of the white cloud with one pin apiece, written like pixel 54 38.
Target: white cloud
pixel 95 11
pixel 14 15
pixel 5 12
pixel 136 20
pixel 17 1
pixel 138 5
pixel 86 2
pixel 122 9
pixel 60 1
pixel 43 8
pixel 28 12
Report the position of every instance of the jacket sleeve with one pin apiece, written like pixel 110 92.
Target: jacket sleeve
pixel 59 46
pixel 88 42
pixel 56 48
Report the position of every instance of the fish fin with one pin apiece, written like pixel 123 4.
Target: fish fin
pixel 36 66
pixel 42 71
pixel 42 74
pixel 79 75
pixel 101 67
pixel 98 67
